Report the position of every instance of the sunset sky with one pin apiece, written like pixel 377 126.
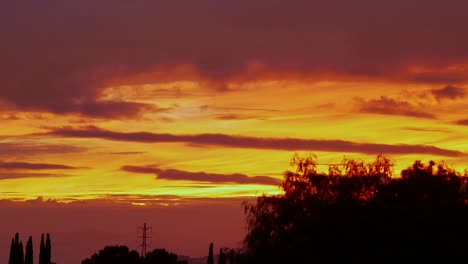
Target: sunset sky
pixel 183 109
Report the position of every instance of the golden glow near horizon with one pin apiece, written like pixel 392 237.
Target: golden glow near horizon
pixel 264 109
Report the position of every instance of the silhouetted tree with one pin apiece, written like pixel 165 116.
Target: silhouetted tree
pixel 221 257
pixel 45 253
pixel 231 256
pixel 122 255
pixel 21 253
pixel 16 251
pixel 114 255
pixel 359 212
pixel 210 255
pixel 42 251
pixel 29 252
pixel 48 250
pixel 161 256
pixel 12 252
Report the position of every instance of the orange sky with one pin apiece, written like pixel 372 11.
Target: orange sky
pixel 360 112
pixel 166 104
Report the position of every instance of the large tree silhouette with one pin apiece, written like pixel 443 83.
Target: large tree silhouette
pixel 359 212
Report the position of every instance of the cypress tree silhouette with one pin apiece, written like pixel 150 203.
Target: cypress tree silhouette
pixel 48 251
pixel 231 257
pixel 16 251
pixel 21 253
pixel 29 252
pixel 12 252
pixel 221 257
pixel 42 251
pixel 16 256
pixel 210 255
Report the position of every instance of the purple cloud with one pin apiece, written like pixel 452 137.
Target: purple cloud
pixel 74 51
pixel 20 149
pixel 173 174
pixel 33 166
pixel 388 106
pixel 448 92
pixel 223 140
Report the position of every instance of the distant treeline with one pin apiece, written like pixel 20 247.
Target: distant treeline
pixel 361 213
pixel 122 255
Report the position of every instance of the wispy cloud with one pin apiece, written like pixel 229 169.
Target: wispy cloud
pixel 128 153
pixel 29 149
pixel 223 140
pixel 173 174
pixel 389 106
pixel 448 92
pixel 462 122
pixel 33 166
pixel 237 117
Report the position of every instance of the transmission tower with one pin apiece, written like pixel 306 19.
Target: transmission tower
pixel 144 239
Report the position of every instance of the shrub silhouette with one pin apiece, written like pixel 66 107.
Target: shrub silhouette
pixel 161 256
pixel 122 255
pixel 359 212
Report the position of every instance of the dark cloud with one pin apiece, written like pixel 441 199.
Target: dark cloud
pixel 95 109
pixel 388 106
pixel 462 122
pixel 172 174
pixel 33 166
pixel 448 92
pixel 237 117
pixel 438 77
pixel 73 51
pixel 223 140
pixel 29 149
pixel 109 109
pixel 221 108
pixel 128 153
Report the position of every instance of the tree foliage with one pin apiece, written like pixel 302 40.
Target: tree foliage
pixel 122 255
pixel 359 212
